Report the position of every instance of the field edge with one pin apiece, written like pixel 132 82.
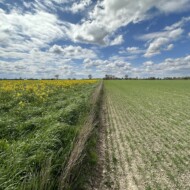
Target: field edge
pixel 83 159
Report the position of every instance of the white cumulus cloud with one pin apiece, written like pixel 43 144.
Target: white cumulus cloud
pixel 26 31
pixel 118 40
pixel 108 16
pixel 79 6
pixel 160 41
pixel 73 52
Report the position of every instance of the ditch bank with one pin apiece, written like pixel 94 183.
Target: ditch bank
pixel 82 167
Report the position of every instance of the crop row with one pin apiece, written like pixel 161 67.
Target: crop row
pixel 149 134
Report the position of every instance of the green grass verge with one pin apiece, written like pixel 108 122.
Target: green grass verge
pixel 82 174
pixel 36 140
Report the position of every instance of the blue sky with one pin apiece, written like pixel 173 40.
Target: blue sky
pixel 75 38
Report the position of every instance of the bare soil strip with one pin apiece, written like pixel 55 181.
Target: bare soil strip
pixel 116 170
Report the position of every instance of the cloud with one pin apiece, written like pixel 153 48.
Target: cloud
pixel 49 5
pixel 131 53
pixel 178 24
pixel 29 30
pixel 169 67
pixel 173 6
pixel 116 68
pixel 92 33
pixel 101 21
pixel 117 41
pixel 119 67
pixel 112 66
pixel 160 40
pixel 134 50
pixel 174 33
pixel 43 64
pixel 94 63
pixel 56 49
pixel 73 52
pixel 108 16
pixel 148 63
pixel 22 36
pixel 169 47
pixel 155 47
pixel 23 32
pixel 79 6
pixel 71 6
pixel 38 64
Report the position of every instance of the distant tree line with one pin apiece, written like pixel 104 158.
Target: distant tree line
pixel 168 78
pixel 113 77
pixel 108 77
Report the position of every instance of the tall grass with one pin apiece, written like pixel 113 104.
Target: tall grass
pixel 83 158
pixel 36 140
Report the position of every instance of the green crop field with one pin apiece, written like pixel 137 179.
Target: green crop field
pixel 51 136
pixel 147 141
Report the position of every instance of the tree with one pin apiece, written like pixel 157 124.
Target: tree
pixel 126 77
pixel 90 76
pixel 57 77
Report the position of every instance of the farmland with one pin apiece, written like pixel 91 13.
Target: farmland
pixel 39 122
pixel 144 138
pixel 147 135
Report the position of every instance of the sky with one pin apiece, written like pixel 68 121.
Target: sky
pixel 75 38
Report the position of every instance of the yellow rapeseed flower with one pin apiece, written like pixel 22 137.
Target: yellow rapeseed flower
pixel 39 88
